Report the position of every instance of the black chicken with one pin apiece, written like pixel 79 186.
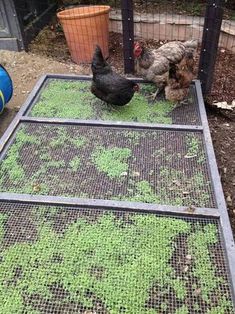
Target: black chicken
pixel 109 86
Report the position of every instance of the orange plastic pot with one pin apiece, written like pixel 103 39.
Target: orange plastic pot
pixel 84 28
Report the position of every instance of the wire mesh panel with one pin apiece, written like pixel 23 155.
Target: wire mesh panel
pixel 165 167
pixel 31 16
pixel 71 260
pixel 62 98
pixel 164 20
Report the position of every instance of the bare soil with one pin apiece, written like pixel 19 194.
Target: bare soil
pixel 192 7
pixel 25 69
pixel 49 54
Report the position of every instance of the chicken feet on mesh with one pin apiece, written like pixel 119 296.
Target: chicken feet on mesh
pixel 154 95
pixel 184 102
pixel 180 103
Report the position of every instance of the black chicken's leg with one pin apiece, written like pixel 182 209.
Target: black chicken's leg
pixel 114 109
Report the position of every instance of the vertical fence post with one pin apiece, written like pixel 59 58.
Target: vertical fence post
pixel 128 35
pixel 210 41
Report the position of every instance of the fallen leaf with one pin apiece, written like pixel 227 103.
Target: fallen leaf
pixel 185 269
pixel 225 105
pixel 135 174
pixel 36 188
pixel 190 156
pixel 176 182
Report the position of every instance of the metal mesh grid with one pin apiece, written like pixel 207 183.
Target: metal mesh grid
pixel 58 259
pixel 62 98
pixel 188 114
pixel 151 166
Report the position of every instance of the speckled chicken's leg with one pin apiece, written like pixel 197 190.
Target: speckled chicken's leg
pixel 154 95
pixel 181 103
pixel 184 101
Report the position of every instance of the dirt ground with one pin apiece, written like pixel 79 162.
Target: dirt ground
pixel 192 7
pixel 52 56
pixel 25 69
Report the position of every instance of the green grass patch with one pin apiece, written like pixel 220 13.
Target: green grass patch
pixel 11 164
pixel 194 149
pixel 75 163
pixel 144 193
pixel 139 110
pixel 64 99
pixel 182 186
pixel 174 181
pixel 204 270
pixel 13 169
pixel 118 263
pixel 73 99
pixel 112 161
pixel 182 310
pixel 55 160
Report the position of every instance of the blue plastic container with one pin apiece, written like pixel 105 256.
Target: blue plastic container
pixel 6 88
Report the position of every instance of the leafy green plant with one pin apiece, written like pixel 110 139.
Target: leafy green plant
pixel 144 193
pixel 204 270
pixel 140 110
pixel 182 186
pixel 3 218
pixel 115 262
pixel 64 99
pixel 179 288
pixel 174 188
pixel 129 264
pixel 75 163
pixel 223 307
pixel 182 310
pixel 73 99
pixel 64 151
pixel 194 149
pixel 11 165
pixel 193 146
pixel 112 161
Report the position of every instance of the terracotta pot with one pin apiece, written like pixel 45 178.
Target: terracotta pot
pixel 84 28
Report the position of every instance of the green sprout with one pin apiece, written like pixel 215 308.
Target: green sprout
pixel 112 161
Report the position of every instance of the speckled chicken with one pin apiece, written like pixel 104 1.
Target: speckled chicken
pixel 179 79
pixel 154 64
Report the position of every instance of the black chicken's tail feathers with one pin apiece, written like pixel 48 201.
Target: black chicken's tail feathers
pixel 98 60
pixel 98 55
